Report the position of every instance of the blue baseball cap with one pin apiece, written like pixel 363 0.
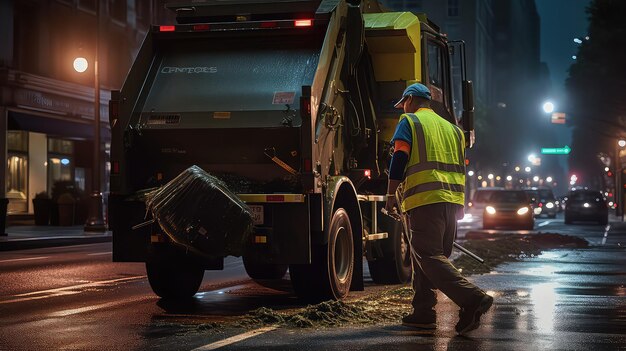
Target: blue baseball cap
pixel 416 89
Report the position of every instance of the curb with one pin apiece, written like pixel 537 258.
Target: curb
pixel 38 243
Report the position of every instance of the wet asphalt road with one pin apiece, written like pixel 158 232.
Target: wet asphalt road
pixel 74 298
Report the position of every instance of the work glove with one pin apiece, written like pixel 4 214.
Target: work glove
pixel 392 205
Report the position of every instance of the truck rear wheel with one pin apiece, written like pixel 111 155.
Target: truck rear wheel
pixel 178 278
pixel 257 270
pixel 329 275
pixel 395 265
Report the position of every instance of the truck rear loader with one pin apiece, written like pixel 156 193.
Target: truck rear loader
pixel 290 105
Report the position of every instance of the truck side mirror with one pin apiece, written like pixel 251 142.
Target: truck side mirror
pixel 467 118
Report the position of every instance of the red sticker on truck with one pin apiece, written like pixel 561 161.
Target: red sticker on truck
pixel 283 97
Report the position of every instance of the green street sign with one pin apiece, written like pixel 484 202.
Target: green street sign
pixel 556 150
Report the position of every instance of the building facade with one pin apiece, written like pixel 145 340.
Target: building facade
pixel 46 107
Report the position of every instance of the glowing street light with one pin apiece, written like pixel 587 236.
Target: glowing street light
pixel 549 179
pixel 548 107
pixel 480 177
pixel 517 168
pixel 536 178
pixel 606 169
pixel 80 64
pixel 621 143
pixel 470 173
pixel 490 176
pixel 498 178
pixel 532 157
pixel 527 169
pixel 509 178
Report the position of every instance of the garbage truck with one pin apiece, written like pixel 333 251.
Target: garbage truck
pixel 289 104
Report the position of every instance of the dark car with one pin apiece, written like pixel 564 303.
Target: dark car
pixel 543 201
pixel 586 205
pixel 480 199
pixel 509 208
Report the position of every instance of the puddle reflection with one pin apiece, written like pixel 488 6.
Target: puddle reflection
pixel 543 297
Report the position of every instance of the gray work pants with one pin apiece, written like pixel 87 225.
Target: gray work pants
pixel 433 229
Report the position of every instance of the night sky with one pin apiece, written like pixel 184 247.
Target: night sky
pixel 561 22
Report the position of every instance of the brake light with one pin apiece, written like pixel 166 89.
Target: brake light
pixel 275 198
pixel 303 23
pixel 368 174
pixel 540 204
pixel 200 27
pixel 167 28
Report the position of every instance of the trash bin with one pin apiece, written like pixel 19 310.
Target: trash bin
pixel 66 204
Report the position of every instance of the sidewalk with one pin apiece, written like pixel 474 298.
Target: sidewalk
pixel 34 237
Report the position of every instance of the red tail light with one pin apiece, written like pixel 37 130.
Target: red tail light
pixel 368 174
pixel 303 23
pixel 167 28
pixel 275 198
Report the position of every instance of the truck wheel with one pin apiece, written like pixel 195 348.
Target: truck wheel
pixel 257 270
pixel 179 279
pixel 395 265
pixel 329 275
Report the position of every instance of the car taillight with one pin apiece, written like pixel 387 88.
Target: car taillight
pixel 303 23
pixel 167 28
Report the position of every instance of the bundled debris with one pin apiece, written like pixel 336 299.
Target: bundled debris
pixel 198 211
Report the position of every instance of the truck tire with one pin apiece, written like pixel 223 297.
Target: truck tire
pixel 257 270
pixel 178 279
pixel 329 275
pixel 395 265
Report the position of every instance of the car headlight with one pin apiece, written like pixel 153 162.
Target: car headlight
pixel 490 210
pixel 549 205
pixel 522 211
pixel 537 210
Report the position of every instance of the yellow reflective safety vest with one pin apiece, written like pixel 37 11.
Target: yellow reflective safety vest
pixel 436 168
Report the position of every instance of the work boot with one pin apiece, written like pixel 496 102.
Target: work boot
pixel 421 320
pixel 469 317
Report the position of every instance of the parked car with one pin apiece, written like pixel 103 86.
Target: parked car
pixel 509 208
pixel 586 205
pixel 477 204
pixel 543 201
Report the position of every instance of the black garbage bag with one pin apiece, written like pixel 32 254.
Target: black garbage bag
pixel 197 210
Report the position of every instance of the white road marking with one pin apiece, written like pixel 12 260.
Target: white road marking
pixel 543 223
pixel 99 253
pixel 42 294
pixel 25 259
pixel 606 233
pixel 70 312
pixel 234 339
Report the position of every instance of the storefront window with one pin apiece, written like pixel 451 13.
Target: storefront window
pixel 17 171
pixel 60 161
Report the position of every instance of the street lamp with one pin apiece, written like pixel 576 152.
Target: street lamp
pixel 95 221
pixel 549 179
pixel 80 64
pixel 527 169
pixel 548 107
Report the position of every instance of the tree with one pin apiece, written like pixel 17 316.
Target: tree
pixel 597 86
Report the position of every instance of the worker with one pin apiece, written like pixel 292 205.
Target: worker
pixel 429 156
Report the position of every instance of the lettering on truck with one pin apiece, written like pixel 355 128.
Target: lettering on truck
pixel 188 70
